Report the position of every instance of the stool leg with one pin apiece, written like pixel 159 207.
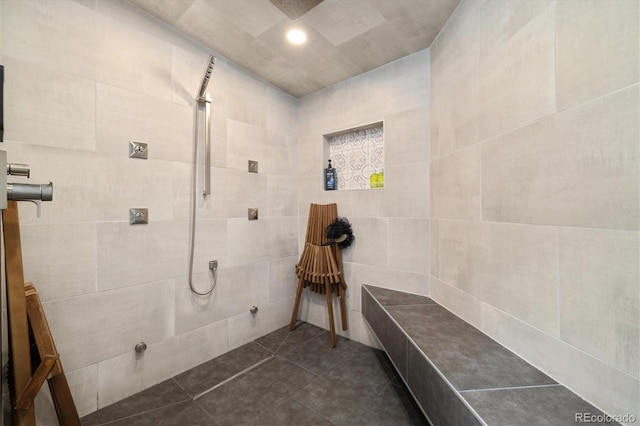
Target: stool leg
pixel 343 307
pixel 296 305
pixel 332 327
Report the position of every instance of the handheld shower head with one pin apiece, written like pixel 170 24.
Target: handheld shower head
pixel 206 76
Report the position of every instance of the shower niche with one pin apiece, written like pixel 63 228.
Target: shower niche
pixel 357 155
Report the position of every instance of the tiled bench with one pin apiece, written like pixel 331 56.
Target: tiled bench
pixel 457 374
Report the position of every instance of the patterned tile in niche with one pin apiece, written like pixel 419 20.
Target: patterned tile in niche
pixel 356 155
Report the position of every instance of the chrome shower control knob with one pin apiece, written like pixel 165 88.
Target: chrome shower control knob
pixel 254 310
pixel 141 347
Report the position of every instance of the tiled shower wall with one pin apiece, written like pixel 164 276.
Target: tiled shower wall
pixel 534 185
pixel 391 225
pixel 534 204
pixel 81 80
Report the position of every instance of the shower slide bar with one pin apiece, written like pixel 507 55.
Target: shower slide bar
pixel 207 144
pixel 204 99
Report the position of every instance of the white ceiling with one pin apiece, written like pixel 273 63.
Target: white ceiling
pixel 345 37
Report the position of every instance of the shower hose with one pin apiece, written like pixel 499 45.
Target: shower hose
pixel 214 280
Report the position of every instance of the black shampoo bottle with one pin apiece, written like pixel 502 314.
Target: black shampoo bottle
pixel 330 178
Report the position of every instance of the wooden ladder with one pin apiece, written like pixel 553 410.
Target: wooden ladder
pixel 28 327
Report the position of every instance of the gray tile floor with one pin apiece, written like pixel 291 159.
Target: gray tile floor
pixel 299 380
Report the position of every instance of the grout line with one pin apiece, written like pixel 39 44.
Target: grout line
pixel 246 370
pixel 142 412
pixel 263 346
pixel 410 304
pixel 552 385
pixel 282 343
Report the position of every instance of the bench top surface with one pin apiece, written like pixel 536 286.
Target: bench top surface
pixel 499 385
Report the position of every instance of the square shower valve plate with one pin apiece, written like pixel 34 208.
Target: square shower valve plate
pixel 138 150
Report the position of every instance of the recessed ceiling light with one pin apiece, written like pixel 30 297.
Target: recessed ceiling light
pixel 296 36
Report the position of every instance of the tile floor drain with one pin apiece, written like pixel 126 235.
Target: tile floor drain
pixel 201 394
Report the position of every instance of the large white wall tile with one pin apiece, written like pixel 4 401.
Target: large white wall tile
pixel 511 267
pixel 598 48
pixel 124 116
pixel 519 272
pixel 454 124
pixel 194 311
pixel 434 247
pixel 58 34
pixel 57 111
pixel 407 80
pixel 516 80
pixel 456 46
pixel 282 114
pixel 577 168
pixel 500 20
pixel 244 96
pixel 372 203
pixel 244 287
pixel 135 254
pixel 248 241
pixel 107 324
pixel 126 183
pixel 405 193
pixel 408 244
pixel 454 69
pixel 233 192
pixel 132 59
pixel 461 247
pixel 210 243
pixel 370 245
pixel 282 154
pixel 245 142
pixel 455 185
pixel 282 278
pixel 182 181
pixel 600 295
pixel 60 259
pixel 406 137
pixel 246 327
pixel 282 195
pixel 283 235
pixel 310 150
pixel 218 139
pixel 187 67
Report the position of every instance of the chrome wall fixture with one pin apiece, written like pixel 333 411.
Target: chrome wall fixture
pixel 35 193
pixel 140 347
pixel 203 101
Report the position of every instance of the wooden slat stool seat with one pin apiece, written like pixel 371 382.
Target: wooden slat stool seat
pixel 320 266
